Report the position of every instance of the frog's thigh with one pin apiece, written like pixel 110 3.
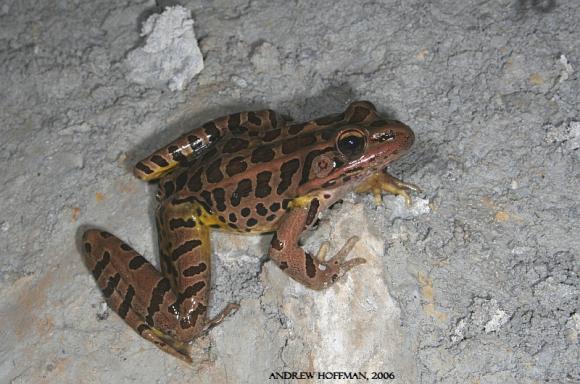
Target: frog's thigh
pixel 134 289
pixel 303 267
pixel 186 259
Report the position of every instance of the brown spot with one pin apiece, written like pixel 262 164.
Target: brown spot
pixel 271 135
pixel 275 243
pixel 160 161
pixel 234 124
pixel 235 145
pixel 176 154
pixel 181 223
pixel 126 304
pixel 262 154
pixel 137 262
pixel 163 286
pixel 111 285
pixel 254 119
pixel 126 247
pixel 219 195
pixel 283 265
pixel 195 269
pixel 194 184
pixel 143 168
pixel 212 131
pixel 101 265
pixel 214 173
pixel 296 128
pixel 310 267
pixel 188 246
pixel 168 188
pixel 263 188
pixel 99 196
pixel 243 189
pixel 180 181
pixel 273 117
pixel 287 170
pixel 314 204
pixel 236 165
pixel 261 209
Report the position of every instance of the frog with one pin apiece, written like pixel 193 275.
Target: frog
pixel 250 172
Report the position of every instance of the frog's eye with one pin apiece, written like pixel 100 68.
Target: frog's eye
pixel 352 144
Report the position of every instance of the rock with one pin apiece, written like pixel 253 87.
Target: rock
pixel 170 56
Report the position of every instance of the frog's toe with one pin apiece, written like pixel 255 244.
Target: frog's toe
pixel 336 267
pixel 344 251
pixel 384 182
pixel 230 309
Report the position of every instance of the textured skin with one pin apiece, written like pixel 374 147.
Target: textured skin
pixel 247 172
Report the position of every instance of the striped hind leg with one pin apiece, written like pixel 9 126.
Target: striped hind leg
pixel 186 263
pixel 135 290
pixel 243 125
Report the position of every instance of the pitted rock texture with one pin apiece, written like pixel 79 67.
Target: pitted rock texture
pixel 476 283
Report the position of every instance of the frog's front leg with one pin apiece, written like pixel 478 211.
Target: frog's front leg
pixel 385 182
pixel 313 271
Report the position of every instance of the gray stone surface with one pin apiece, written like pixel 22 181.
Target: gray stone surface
pixel 478 283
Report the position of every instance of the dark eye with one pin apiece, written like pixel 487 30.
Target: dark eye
pixel 352 144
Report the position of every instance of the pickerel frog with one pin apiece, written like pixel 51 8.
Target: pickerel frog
pixel 250 172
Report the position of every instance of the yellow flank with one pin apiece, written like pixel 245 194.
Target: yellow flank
pixel 302 201
pixel 158 173
pixel 206 219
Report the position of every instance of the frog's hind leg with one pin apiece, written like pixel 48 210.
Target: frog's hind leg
pixel 186 262
pixel 135 290
pixel 240 126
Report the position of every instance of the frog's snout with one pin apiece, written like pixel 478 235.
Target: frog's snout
pixel 407 136
pixel 394 134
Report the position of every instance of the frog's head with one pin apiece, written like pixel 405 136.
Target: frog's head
pixel 373 147
pixel 359 151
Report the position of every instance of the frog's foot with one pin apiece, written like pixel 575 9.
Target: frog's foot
pixel 313 272
pixel 179 349
pixel 335 267
pixel 384 182
pixel 230 309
